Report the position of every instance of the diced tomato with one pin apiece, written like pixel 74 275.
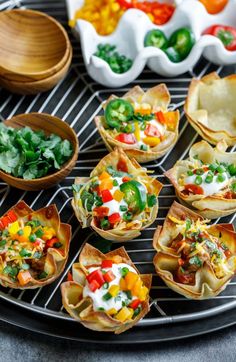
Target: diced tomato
pixel 194 189
pixel 51 242
pixel 152 131
pixel 106 196
pixel 160 117
pixel 94 285
pixel 227 253
pixel 229 195
pixel 1 225
pixel 38 242
pixel 12 215
pixel 5 221
pixel 109 276
pixel 181 262
pixel 127 138
pixel 107 263
pixel 134 304
pixel 126 179
pixel 97 275
pixel 114 218
pixel 185 278
pixel 101 211
pixel 69 277
pixel 122 165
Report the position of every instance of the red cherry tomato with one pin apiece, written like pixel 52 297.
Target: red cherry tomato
pixel 227 34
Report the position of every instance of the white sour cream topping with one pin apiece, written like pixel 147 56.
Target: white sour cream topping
pixel 209 189
pixel 155 123
pixel 96 296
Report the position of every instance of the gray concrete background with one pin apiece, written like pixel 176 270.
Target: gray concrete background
pixel 17 344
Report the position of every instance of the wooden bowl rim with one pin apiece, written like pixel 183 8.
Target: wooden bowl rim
pixel 68 47
pixel 54 174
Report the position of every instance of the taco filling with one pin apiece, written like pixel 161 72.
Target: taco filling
pixel 209 179
pixel 116 289
pixel 23 247
pixel 136 125
pixel 195 247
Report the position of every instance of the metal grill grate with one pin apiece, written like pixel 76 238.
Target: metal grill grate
pixel 76 100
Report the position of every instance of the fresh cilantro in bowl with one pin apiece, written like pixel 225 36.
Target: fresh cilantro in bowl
pixel 29 154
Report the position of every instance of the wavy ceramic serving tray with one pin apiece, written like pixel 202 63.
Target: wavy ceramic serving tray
pixel 129 38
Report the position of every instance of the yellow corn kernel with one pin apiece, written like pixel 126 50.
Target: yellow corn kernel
pixel 111 311
pixel 137 131
pixel 123 285
pixel 14 227
pixel 137 287
pixel 124 314
pixel 118 195
pixel 114 290
pixel 131 279
pixel 151 141
pixel 48 233
pixel 143 293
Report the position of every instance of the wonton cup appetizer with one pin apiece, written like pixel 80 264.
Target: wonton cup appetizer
pixel 211 108
pixel 140 123
pixel 106 292
pixel 194 259
pixel 207 180
pixel 33 246
pixel 118 200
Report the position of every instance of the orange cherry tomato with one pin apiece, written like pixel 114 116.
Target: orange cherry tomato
pixel 214 6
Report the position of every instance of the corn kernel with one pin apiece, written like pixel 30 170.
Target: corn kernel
pixel 114 290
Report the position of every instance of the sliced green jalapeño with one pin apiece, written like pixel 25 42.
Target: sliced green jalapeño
pixel 118 111
pixel 135 195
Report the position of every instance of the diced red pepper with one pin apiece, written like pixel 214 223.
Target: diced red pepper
pixel 1 225
pixel 152 131
pixel 5 221
pixel 51 242
pixel 106 195
pixel 69 277
pixel 109 276
pixel 126 179
pixel 134 304
pixel 12 215
pixel 114 218
pixel 96 275
pixel 127 138
pixel 185 277
pixel 107 264
pixel 101 211
pixel 94 285
pixel 227 34
pixel 122 165
pixel 160 117
pixel 38 242
pixel 194 189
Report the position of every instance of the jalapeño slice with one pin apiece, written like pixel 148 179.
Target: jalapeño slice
pixel 156 38
pixel 118 111
pixel 135 195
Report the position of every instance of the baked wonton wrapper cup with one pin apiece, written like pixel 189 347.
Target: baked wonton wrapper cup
pixel 123 233
pixel 207 285
pixel 55 260
pixel 211 108
pixel 158 98
pixel 82 308
pixel 212 206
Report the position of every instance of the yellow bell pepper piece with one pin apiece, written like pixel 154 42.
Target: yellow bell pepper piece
pixel 151 141
pixel 114 290
pixel 124 314
pixel 24 277
pixel 106 184
pixel 111 311
pixel 143 293
pixel 118 195
pixel 49 233
pixel 131 279
pixel 137 287
pixel 137 131
pixel 104 175
pixel 171 120
pixel 123 285
pixel 26 233
pixel 14 228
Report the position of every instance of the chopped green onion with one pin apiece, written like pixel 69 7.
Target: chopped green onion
pixel 151 200
pixel 107 296
pixel 143 147
pixel 198 180
pixel 124 271
pixel 106 285
pixel 104 223
pixel 123 208
pixel 220 178
pixel 25 266
pixel 20 232
pixel 213 167
pixel 32 238
pixel 115 183
pixel 129 294
pixel 209 179
pixel 199 171
pixel 128 216
pixel 232 170
pixel 43 275
pixel 137 311
pixel 190 173
pixel 57 245
pixel 220 169
pixel 39 233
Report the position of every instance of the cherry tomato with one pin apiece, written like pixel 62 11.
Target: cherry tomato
pixel 214 6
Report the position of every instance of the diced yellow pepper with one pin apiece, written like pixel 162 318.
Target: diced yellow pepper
pixel 104 175
pixel 151 141
pixel 171 120
pixel 48 233
pixel 143 293
pixel 131 279
pixel 137 287
pixel 114 290
pixel 123 285
pixel 25 236
pixel 14 228
pixel 118 195
pixel 106 184
pixel 111 311
pixel 124 314
pixel 137 131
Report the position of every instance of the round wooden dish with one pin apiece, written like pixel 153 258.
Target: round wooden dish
pixel 36 86
pixel 33 45
pixel 49 124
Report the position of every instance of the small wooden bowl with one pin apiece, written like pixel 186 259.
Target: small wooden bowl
pixel 33 45
pixel 36 86
pixel 49 124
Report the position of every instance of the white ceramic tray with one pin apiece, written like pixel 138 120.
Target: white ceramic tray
pixel 129 39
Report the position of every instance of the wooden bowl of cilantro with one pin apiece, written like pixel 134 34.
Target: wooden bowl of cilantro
pixel 37 151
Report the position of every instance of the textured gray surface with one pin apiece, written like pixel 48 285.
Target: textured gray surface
pixel 20 345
